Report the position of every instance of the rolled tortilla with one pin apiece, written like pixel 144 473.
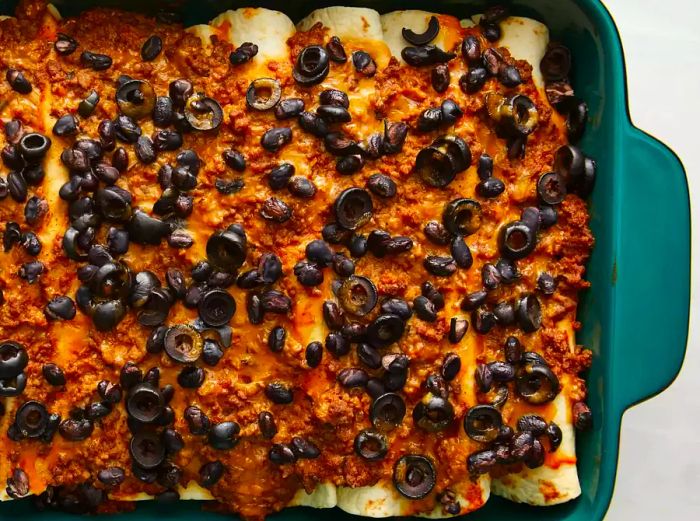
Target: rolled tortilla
pixel 449 37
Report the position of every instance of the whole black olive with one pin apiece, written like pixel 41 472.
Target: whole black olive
pixel 458 328
pixel 111 476
pixel 279 393
pixel 556 63
pixel 425 309
pixel 509 76
pixel 18 81
pixel 351 377
pixel 425 55
pixel 162 111
pixel 64 44
pixel 95 61
pixel 281 454
pixel 275 138
pixel 76 430
pixel 451 365
pixel 349 164
pixel 289 108
pixel 13 359
pixel 440 77
pixel 471 50
pixel 313 124
pixel 191 377
pixel 337 344
pixel 151 48
pixel 313 354
pixel 336 52
pixel 224 435
pixel 197 421
pixel 481 462
pixel 414 476
pixel 364 63
pixel 243 54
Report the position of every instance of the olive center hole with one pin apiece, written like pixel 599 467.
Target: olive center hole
pixel 414 476
pixel 517 240
pixel 359 295
pixel 33 419
pixel 9 354
pixel 184 343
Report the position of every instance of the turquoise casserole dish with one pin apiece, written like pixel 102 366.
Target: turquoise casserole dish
pixel 635 317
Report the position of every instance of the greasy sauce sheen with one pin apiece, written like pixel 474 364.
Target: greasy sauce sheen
pixel 322 411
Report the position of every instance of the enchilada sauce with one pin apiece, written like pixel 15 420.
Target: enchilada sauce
pixel 237 388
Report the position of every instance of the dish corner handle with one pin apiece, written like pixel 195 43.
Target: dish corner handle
pixel 653 294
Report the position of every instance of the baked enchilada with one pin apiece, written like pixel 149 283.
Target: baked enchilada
pixel 327 264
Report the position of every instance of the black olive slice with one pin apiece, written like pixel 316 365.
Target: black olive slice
pixel 433 413
pixel 516 240
pixel 31 419
pixel 263 94
pixel 144 403
pixel 387 411
pixel 536 383
pixel 136 99
pixel 358 295
pixel 551 188
pixel 435 167
pixel 556 62
pixel 226 250
pixel 482 423
pixel 371 445
pixel 528 313
pixel 425 55
pixel 203 113
pixel 457 149
pixel 183 343
pixel 312 65
pixel 462 216
pixel 423 38
pixel 414 476
pixel 147 450
pixel 385 330
pixel 353 208
pixel 144 283
pixel 216 307
pixel 13 359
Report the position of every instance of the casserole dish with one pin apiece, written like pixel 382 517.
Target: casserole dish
pixel 620 272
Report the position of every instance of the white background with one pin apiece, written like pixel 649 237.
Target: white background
pixel 658 477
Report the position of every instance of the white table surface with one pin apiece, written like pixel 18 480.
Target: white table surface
pixel 659 471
